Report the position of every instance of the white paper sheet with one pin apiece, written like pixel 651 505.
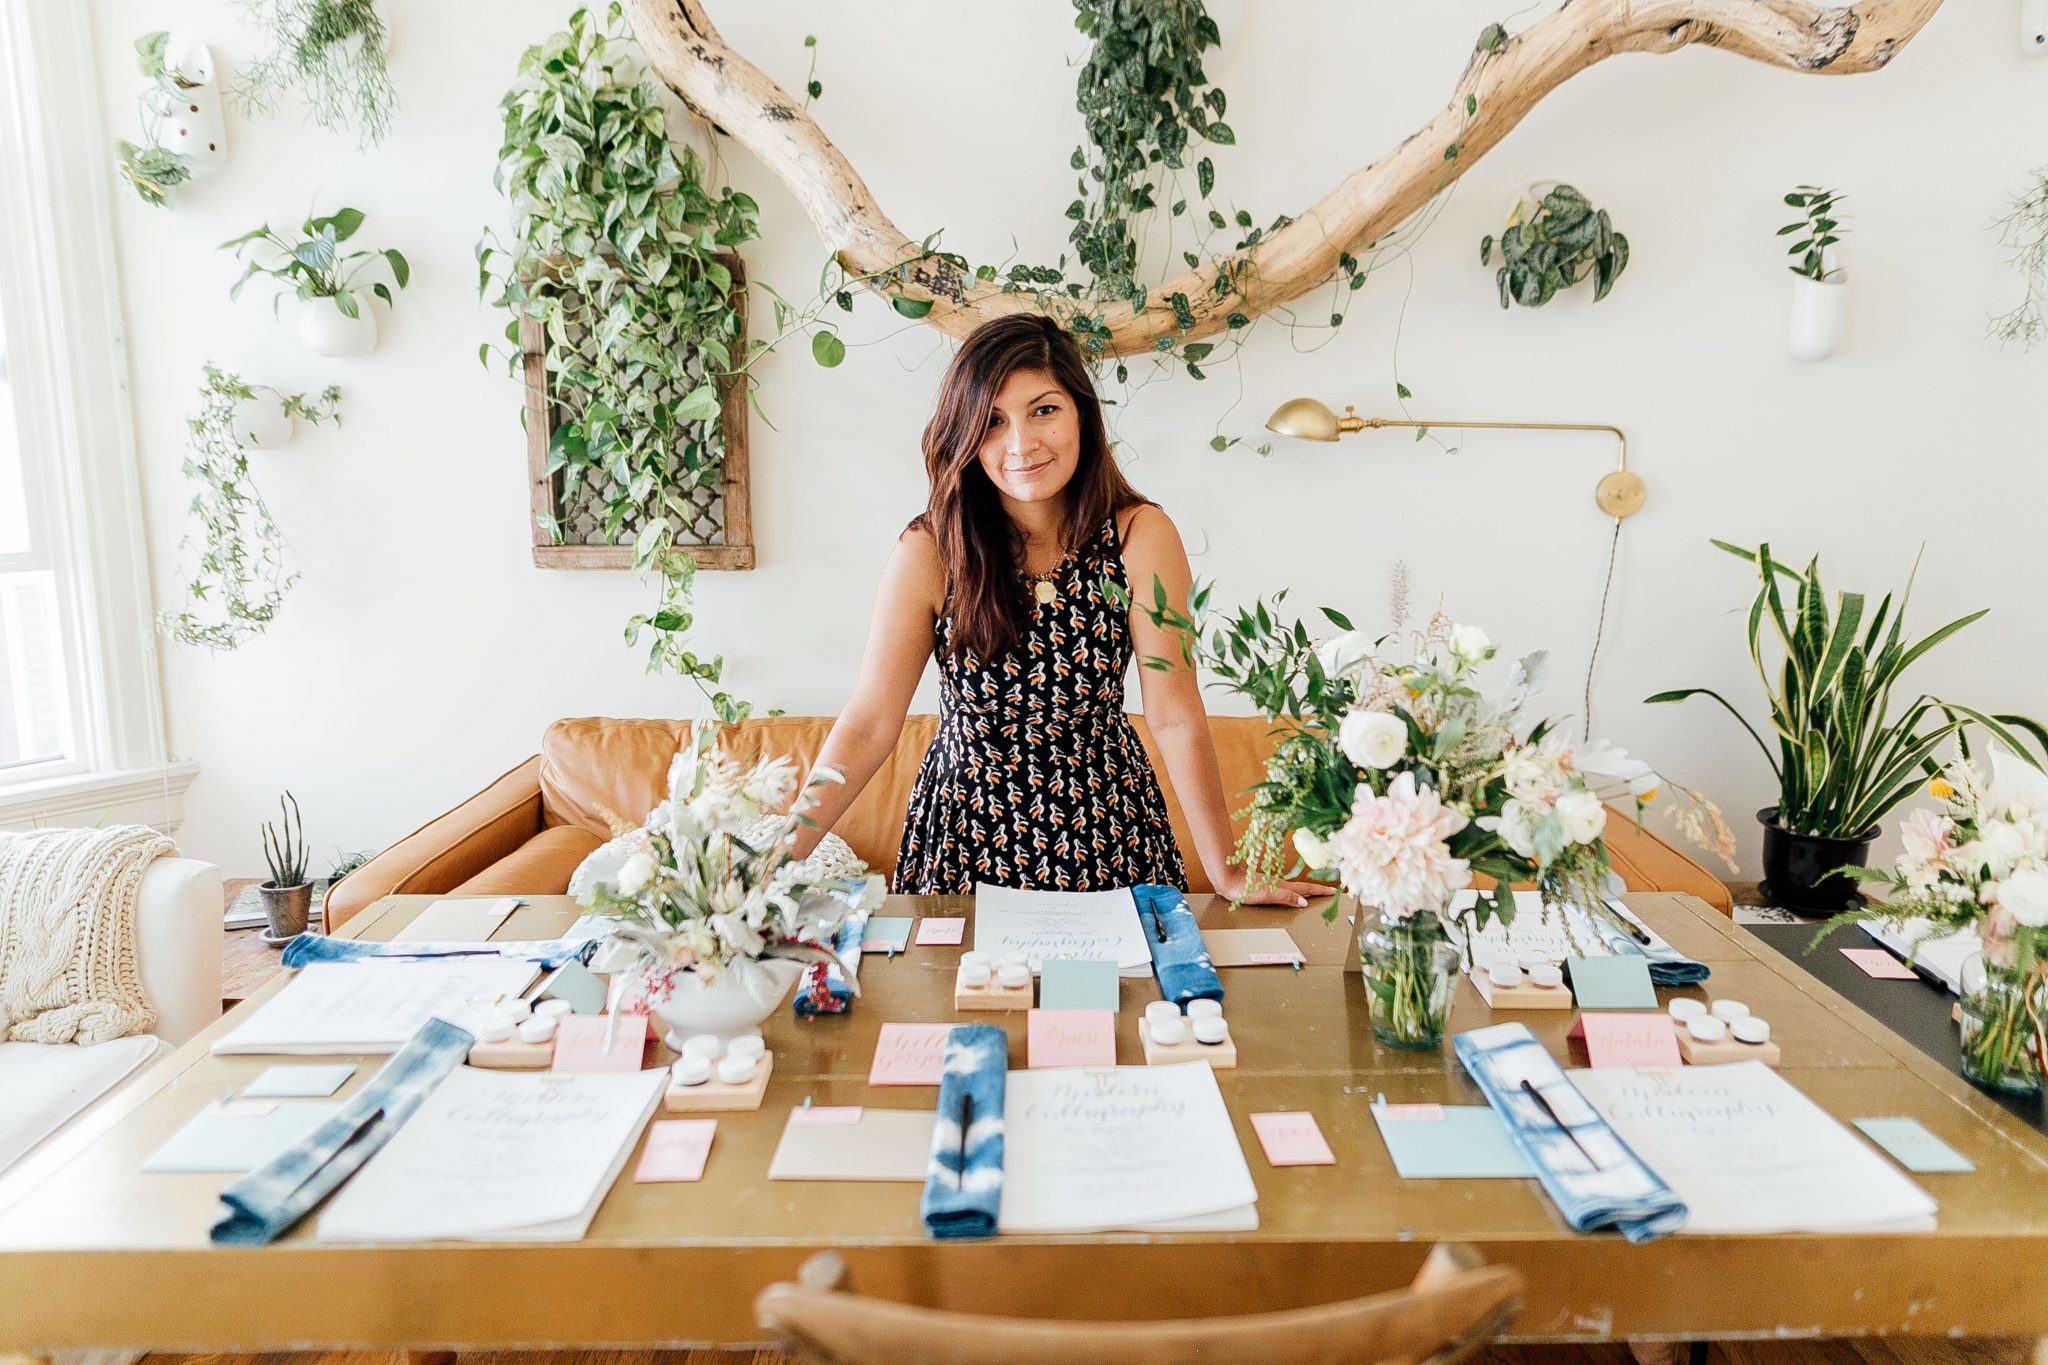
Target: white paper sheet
pixel 1923 944
pixel 499 1156
pixel 1748 1153
pixel 1131 1147
pixel 1554 932
pixel 334 1008
pixel 1078 924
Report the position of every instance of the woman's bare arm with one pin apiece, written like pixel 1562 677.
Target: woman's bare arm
pixel 899 644
pixel 1175 715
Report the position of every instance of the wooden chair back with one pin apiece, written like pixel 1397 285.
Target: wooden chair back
pixel 1454 1304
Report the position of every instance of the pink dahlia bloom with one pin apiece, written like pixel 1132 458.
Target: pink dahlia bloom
pixel 1392 853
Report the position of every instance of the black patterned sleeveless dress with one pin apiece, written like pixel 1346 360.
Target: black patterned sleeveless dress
pixel 1036 777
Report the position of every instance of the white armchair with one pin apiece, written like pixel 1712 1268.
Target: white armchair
pixel 178 946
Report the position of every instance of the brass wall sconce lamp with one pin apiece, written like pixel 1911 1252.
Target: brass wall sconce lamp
pixel 1619 493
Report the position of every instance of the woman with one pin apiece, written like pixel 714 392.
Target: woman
pixel 1035 777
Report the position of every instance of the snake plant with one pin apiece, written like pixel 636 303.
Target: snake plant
pixel 1843 759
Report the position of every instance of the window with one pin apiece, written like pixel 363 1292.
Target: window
pixel 35 702
pixel 81 726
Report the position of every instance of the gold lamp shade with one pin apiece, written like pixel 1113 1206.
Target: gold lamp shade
pixel 1305 419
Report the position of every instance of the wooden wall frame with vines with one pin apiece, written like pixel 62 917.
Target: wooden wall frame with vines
pixel 736 548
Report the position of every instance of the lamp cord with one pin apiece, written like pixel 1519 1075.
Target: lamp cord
pixel 1600 626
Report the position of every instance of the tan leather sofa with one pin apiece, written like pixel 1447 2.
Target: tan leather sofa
pixel 527 831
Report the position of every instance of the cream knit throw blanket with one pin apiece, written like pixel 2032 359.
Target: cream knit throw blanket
pixel 68 972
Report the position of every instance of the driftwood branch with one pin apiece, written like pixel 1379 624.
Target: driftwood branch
pixel 1506 82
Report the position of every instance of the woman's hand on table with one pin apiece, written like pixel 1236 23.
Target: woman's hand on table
pixel 1285 894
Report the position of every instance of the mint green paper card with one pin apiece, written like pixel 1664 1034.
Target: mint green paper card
pixel 1468 1142
pixel 1913 1147
pixel 1077 984
pixel 1611 983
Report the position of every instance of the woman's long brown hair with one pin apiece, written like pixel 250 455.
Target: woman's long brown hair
pixel 979 545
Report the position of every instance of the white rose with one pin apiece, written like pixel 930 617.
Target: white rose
pixel 2001 844
pixel 1515 826
pixel 1373 739
pixel 1315 854
pixel 637 872
pixel 1471 644
pixel 1581 816
pixel 2025 894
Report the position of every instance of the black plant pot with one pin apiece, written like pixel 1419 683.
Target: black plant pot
pixel 1803 872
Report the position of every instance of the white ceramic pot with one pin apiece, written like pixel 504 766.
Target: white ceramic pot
pixel 1820 315
pixel 726 1007
pixel 194 125
pixel 326 330
pixel 262 421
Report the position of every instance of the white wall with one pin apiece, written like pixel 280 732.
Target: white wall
pixel 422 653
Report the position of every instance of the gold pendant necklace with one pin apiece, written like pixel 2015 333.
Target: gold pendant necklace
pixel 1044 591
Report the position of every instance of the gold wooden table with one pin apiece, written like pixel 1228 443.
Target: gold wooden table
pixel 94 1253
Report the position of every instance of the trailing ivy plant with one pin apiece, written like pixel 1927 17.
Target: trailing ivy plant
pixel 1820 222
pixel 239 576
pixel 1562 241
pixel 153 169
pixel 615 251
pixel 332 53
pixel 2024 229
pixel 313 266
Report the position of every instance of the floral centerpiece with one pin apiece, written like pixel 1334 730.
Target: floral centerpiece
pixel 1405 779
pixel 1981 861
pixel 715 918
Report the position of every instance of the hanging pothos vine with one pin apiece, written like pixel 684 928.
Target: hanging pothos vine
pixel 614 250
pixel 239 576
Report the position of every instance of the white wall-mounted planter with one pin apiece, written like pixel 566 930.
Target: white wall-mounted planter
pixel 194 126
pixel 1820 316
pixel 326 330
pixel 262 423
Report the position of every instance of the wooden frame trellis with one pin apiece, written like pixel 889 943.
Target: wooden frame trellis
pixel 734 548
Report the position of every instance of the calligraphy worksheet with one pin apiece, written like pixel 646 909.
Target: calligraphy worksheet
pixel 1058 924
pixel 1094 1149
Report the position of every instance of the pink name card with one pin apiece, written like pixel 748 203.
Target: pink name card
pixel 580 1039
pixel 1291 1138
pixel 941 931
pixel 1070 1038
pixel 676 1150
pixel 909 1054
pixel 1876 962
pixel 1628 1039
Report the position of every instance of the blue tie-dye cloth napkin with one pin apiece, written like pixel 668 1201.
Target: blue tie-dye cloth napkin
pixel 1179 958
pixel 824 988
pixel 1594 1178
pixel 546 952
pixel 963 1185
pixel 1668 966
pixel 264 1204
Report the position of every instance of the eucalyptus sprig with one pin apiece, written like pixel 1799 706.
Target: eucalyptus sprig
pixel 1822 225
pixel 239 577
pixel 313 266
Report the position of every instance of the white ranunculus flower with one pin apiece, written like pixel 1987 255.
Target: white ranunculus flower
pixel 1515 826
pixel 1471 644
pixel 2002 843
pixel 1373 739
pixel 1581 816
pixel 1342 656
pixel 1315 854
pixel 2025 894
pixel 637 872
